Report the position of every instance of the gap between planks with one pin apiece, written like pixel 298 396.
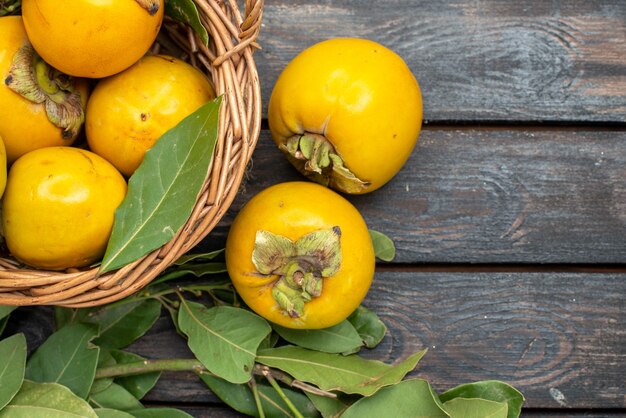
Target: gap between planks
pixel 513 125
pixel 501 268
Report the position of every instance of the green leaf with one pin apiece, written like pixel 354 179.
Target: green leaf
pixel 160 413
pixel 383 246
pixel 12 365
pixel 112 413
pixel 115 397
pixel 138 384
pixel 475 408
pixel 340 338
pixel 348 374
pixel 3 323
pixel 223 338
pixel 105 359
pixel 328 407
pixel 49 400
pixel 240 398
pixel 197 265
pixel 67 357
pixel 410 398
pixel 492 390
pixel 197 270
pixel 195 257
pixel 270 341
pixel 6 310
pixel 65 316
pixel 371 329
pixel 122 323
pixel 185 11
pixel 163 190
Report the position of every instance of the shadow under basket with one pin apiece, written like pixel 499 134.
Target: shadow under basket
pixel 229 63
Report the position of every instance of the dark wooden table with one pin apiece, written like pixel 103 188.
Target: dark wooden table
pixel 509 218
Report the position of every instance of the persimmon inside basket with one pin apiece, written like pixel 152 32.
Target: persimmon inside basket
pixel 228 61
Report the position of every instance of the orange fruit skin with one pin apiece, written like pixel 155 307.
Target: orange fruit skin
pixel 58 207
pixel 128 112
pixel 90 38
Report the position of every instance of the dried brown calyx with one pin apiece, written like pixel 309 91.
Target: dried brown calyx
pixel 316 157
pixel 32 78
pixel 152 6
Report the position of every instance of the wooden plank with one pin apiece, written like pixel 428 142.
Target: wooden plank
pixel 488 196
pixel 557 337
pixel 500 60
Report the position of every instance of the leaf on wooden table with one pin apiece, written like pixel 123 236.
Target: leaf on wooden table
pixel 12 366
pixel 6 310
pixel 475 408
pixel 185 11
pixel 328 407
pixel 160 413
pixel 492 390
pixel 64 316
pixel 198 257
pixel 123 323
pixel 340 338
pixel 50 400
pixel 384 249
pixel 223 338
pixel 163 190
pixel 67 357
pixel 105 359
pixel 371 329
pixel 240 398
pixel 410 398
pixel 137 384
pixel 111 413
pixel 3 323
pixel 196 270
pixel 333 372
pixel 115 397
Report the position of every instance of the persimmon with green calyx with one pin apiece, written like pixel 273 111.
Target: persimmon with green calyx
pixel 58 207
pixel 92 38
pixel 347 113
pixel 300 255
pixel 128 112
pixel 39 106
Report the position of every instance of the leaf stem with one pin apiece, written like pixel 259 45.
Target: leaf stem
pixel 290 381
pixel 257 398
pixel 277 388
pixel 147 366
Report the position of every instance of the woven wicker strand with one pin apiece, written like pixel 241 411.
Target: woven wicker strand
pixel 228 61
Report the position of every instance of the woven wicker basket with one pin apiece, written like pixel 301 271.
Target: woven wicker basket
pixel 229 63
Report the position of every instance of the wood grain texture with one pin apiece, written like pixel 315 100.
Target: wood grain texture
pixel 500 60
pixel 557 337
pixel 488 196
